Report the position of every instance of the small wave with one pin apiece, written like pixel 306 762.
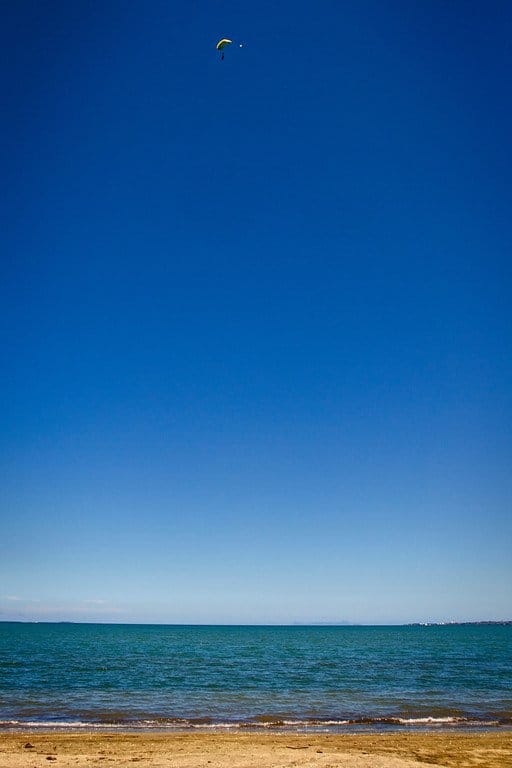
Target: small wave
pixel 430 720
pixel 215 726
pixel 467 721
pixel 274 721
pixel 260 722
pixel 58 724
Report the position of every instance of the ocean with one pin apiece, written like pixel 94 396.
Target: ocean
pixel 304 678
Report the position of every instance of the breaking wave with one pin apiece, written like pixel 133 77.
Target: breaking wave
pixel 260 722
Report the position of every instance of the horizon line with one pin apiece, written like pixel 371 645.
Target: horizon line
pixel 261 624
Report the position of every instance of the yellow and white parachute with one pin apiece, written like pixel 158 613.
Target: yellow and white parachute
pixel 223 42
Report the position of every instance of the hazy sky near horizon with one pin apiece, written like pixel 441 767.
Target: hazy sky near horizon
pixel 256 325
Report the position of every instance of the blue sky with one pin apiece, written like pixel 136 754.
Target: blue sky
pixel 256 327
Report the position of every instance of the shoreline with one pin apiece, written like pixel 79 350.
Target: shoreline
pixel 449 748
pixel 263 726
pixel 256 730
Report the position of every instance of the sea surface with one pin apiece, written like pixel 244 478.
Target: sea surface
pixel 304 678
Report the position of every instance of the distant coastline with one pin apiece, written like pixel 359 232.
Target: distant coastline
pixel 502 623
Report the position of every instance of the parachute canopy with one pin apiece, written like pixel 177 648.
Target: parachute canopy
pixel 222 43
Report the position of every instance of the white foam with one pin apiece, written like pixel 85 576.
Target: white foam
pixel 429 720
pixel 184 724
pixel 56 724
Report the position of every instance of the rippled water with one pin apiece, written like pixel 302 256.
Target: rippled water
pixel 315 677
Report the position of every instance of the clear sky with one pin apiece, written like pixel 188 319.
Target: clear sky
pixel 256 313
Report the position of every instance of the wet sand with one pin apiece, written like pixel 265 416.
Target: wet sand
pixel 256 750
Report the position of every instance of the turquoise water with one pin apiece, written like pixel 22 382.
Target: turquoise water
pixel 92 675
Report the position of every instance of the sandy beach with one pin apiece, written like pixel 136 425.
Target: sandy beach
pixel 256 750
